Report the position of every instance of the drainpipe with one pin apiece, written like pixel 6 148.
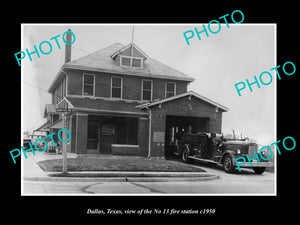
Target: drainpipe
pixel 149 137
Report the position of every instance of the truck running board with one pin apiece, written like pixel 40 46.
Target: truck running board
pixel 203 160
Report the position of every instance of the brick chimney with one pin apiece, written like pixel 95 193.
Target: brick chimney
pixel 68 47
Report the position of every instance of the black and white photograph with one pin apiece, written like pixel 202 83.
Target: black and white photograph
pixel 153 111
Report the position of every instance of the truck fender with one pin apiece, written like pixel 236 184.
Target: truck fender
pixel 187 146
pixel 231 153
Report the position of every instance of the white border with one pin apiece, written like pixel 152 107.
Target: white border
pixel 152 24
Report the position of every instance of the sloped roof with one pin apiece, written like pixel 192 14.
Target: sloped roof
pixel 102 61
pixel 189 93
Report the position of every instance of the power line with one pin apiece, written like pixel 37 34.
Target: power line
pixel 46 90
pixel 81 50
pixel 41 89
pixel 32 85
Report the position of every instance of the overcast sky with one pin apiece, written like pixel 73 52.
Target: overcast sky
pixel 216 62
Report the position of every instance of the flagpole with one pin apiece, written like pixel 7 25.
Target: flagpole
pixel 132 41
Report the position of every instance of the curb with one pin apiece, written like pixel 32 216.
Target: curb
pixel 126 177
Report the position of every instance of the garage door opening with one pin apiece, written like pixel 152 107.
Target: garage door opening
pixel 177 125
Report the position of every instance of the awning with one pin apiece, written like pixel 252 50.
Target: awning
pixel 44 127
pixel 108 106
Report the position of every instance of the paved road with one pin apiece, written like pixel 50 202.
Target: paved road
pixel 244 183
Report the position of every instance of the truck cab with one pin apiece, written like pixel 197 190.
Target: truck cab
pixel 212 148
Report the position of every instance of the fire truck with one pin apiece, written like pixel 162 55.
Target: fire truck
pixel 213 148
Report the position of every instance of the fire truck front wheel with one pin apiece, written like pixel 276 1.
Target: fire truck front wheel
pixel 228 164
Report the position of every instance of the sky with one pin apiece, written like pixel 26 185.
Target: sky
pixel 216 62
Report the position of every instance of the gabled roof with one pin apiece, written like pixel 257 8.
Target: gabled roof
pixel 135 49
pixel 189 93
pixel 103 62
pixel 49 108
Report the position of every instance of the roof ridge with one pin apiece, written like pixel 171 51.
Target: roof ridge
pixel 127 46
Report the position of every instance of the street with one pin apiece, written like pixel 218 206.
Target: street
pixel 242 183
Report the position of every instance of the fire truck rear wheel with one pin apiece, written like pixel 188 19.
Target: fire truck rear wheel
pixel 228 164
pixel 185 155
pixel 259 170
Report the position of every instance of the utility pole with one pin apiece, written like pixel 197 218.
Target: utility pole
pixel 64 150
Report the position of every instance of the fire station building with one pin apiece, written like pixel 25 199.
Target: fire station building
pixel 121 101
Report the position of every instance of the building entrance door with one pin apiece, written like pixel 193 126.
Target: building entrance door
pixel 93 137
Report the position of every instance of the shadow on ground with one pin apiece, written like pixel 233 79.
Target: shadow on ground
pixel 203 165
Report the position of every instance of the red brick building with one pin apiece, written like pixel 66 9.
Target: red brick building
pixel 121 101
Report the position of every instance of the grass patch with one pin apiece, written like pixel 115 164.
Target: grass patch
pixel 100 164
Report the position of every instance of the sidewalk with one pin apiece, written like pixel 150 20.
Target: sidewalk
pixel 30 167
pixel 33 172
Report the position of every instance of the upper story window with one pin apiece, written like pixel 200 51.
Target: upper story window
pixel 55 117
pixel 137 62
pixel 131 61
pixel 60 91
pixel 88 84
pixel 147 90
pixel 170 89
pixel 116 87
pixel 125 61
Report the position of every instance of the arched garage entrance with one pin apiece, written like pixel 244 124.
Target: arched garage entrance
pixel 177 125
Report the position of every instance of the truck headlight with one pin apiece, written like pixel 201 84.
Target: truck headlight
pixel 264 153
pixel 238 151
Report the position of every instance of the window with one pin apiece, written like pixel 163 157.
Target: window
pixel 88 84
pixel 127 131
pixel 116 87
pixel 60 91
pixel 170 89
pixel 125 61
pixel 55 117
pixel 147 90
pixel 131 61
pixel 137 62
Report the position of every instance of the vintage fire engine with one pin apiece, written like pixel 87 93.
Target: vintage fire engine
pixel 211 148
